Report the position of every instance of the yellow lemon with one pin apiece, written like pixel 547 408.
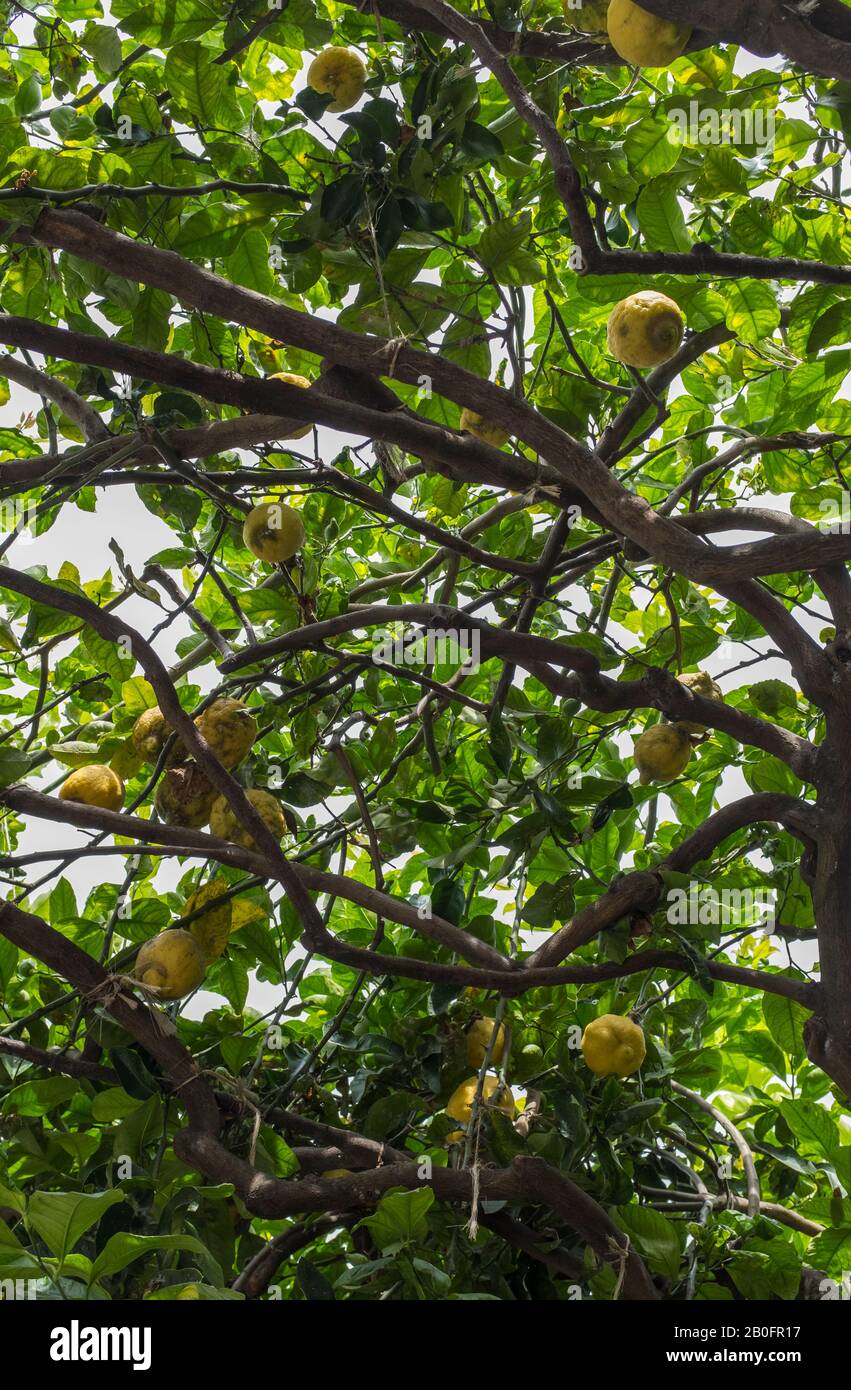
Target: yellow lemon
pixel 588 16
pixel 273 532
pixel 172 963
pixel 293 380
pixel 661 753
pixel 489 434
pixel 460 1103
pixel 225 826
pixel 150 733
pixel 478 1036
pixel 645 330
pixel 96 785
pixel 613 1046
pixel 340 72
pixel 212 930
pixel 185 797
pixel 642 38
pixel 230 728
pixel 701 683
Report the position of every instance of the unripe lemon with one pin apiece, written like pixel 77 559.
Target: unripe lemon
pixel 340 72
pixel 225 826
pixel 589 17
pixel 478 1036
pixel 642 38
pixel 95 785
pixel 473 423
pixel 273 532
pixel 661 753
pixel 293 379
pixel 701 683
pixel 185 797
pixel 230 728
pixel 613 1046
pixel 172 963
pixel 213 929
pixel 460 1103
pixel 645 329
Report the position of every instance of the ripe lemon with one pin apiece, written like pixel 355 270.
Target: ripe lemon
pixel 460 1103
pixel 661 753
pixel 230 728
pixel 293 380
pixel 225 826
pixel 172 963
pixel 613 1046
pixel 95 785
pixel 150 733
pixel 489 434
pixel 645 330
pixel 185 797
pixel 340 72
pixel 273 532
pixel 478 1036
pixel 212 930
pixel 702 684
pixel 589 16
pixel 642 38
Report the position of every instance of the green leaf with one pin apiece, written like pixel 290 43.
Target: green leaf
pixel 400 1219
pixel 752 309
pixel 62 1218
pixel 654 1236
pixel 811 1124
pixel 201 86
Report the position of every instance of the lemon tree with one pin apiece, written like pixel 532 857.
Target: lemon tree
pixel 425 671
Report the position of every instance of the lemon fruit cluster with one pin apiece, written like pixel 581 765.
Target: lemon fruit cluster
pixel 342 73
pixel 642 38
pixel 613 1046
pixel 460 1104
pixel 273 532
pixel 95 785
pixel 645 329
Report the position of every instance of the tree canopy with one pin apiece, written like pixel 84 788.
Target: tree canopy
pixel 439 552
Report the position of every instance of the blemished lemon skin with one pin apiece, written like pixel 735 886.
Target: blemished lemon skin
pixel 173 963
pixel 273 532
pixel 613 1045
pixel 589 17
pixel 702 684
pixel 340 72
pixel 292 379
pixel 185 797
pixel 642 38
pixel 645 329
pixel 460 1103
pixel 95 785
pixel 661 753
pixel 229 727
pixel 472 423
pixel 478 1036
pixel 225 826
